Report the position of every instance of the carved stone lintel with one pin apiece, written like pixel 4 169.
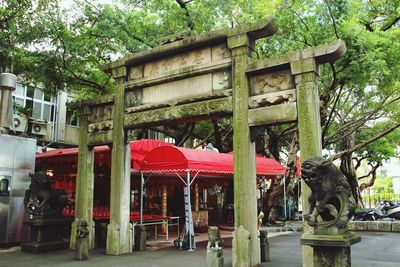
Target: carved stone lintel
pixel 272 98
pixel 218 107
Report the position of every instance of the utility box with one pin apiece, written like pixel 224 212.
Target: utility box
pixel 17 159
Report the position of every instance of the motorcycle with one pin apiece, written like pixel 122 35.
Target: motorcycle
pixel 385 209
pixel 392 210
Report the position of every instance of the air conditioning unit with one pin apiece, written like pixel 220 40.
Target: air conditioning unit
pixel 39 128
pixel 20 123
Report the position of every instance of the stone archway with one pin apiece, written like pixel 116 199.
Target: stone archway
pixel 192 77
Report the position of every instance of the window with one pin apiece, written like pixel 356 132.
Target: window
pixel 5 185
pixel 72 118
pixel 41 103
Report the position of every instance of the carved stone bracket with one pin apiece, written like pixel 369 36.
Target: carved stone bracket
pixel 272 98
pixel 100 126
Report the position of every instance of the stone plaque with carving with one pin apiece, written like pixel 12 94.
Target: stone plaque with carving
pixel 271 82
pixel 222 80
pixel 133 98
pixel 100 113
pixel 136 72
pixel 185 59
pixel 177 89
pixel 220 52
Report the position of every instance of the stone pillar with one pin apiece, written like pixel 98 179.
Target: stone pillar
pixel 84 190
pixel 309 127
pixel 119 231
pixel 244 158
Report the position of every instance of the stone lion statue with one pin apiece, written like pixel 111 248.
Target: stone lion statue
pixel 41 199
pixel 214 238
pixel 331 202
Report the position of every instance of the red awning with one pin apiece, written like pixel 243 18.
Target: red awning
pixel 178 160
pixel 157 156
pixel 68 158
pixel 267 166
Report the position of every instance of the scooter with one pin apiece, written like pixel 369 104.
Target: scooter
pixel 367 214
pixel 393 211
pixel 385 209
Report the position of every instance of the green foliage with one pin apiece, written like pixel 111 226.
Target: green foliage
pixel 383 148
pixel 359 94
pixel 25 111
pixel 383 185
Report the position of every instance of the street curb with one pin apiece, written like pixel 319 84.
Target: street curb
pixel 375 226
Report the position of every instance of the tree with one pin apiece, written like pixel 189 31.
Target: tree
pixel 359 94
pixel 20 27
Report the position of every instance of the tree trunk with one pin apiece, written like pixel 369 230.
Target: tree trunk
pixel 275 194
pixel 347 166
pixel 273 142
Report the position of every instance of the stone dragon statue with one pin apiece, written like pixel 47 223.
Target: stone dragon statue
pixel 41 199
pixel 332 201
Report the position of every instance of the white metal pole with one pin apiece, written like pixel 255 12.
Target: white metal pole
pixel 284 196
pixel 141 197
pixel 298 199
pixel 189 211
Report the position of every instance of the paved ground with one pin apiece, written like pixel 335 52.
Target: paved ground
pixel 376 249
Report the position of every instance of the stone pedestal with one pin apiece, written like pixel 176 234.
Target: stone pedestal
pixel 264 246
pixel 82 248
pixel 241 247
pixel 140 237
pixel 215 257
pixel 331 250
pixel 47 235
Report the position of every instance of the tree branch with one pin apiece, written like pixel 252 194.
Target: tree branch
pixel 333 19
pixel 305 25
pixel 358 146
pixel 373 176
pixel 189 21
pixel 388 25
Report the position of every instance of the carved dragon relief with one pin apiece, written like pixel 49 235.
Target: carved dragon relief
pixel 272 89
pixel 271 82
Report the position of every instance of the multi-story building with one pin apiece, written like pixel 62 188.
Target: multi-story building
pixel 44 116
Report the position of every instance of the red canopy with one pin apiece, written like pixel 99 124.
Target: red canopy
pixel 178 159
pixel 67 158
pixel 157 156
pixel 267 166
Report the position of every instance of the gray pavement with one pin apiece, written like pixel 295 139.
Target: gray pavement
pixel 375 249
